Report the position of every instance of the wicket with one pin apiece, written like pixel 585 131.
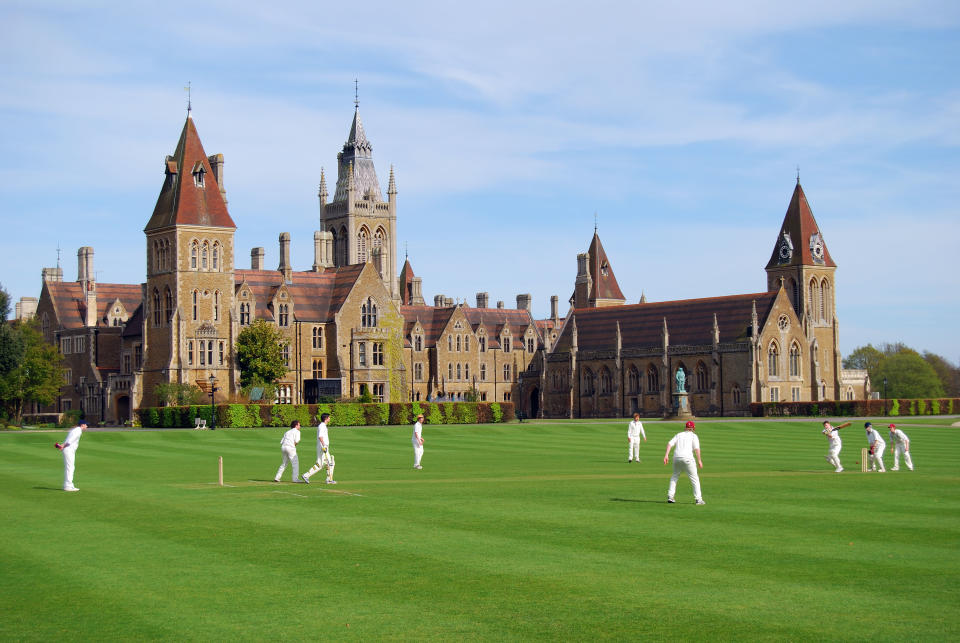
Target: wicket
pixel 220 471
pixel 864 455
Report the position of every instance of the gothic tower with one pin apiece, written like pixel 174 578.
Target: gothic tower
pixel 595 286
pixel 803 265
pixel 362 227
pixel 190 257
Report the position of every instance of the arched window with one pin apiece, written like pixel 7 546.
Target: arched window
pixel 794 360
pixel 794 290
pixel 459 372
pixel 190 353
pixel 368 314
pixel 196 297
pixel 605 382
pixel 418 372
pixel 244 314
pixel 653 379
pixel 450 343
pixel 380 250
pixel 418 343
pixel 586 384
pixel 483 372
pixel 216 305
pixel 735 394
pixel 317 337
pixel 466 343
pixel 633 380
pixel 156 256
pixel 812 299
pixel 773 354
pixel 362 246
pixel 156 307
pixel 194 251
pixel 168 303
pixel 506 373
pixel 701 373
pixel 204 249
pixel 216 256
pixel 466 371
pixel 825 300
pixel 165 255
pixel 317 369
pixel 450 371
pixel 458 343
pixel 284 317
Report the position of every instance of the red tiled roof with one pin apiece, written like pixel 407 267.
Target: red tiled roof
pixel 433 320
pixel 181 202
pixel 406 276
pixel 799 223
pixel 317 296
pixel 689 322
pixel 604 284
pixel 70 303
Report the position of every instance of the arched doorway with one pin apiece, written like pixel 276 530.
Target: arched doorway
pixel 123 409
pixel 535 402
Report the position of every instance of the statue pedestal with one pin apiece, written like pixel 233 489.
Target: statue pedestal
pixel 681 408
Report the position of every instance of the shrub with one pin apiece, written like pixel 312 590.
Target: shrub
pixel 376 414
pixel 895 407
pixel 345 414
pixel 70 418
pixel 400 413
pixel 496 412
pixel 432 413
pixel 509 411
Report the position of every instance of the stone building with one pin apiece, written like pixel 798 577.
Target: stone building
pixel 613 359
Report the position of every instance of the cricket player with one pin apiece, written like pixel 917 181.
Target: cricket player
pixel 901 446
pixel 417 440
pixel 877 447
pixel 69 449
pixel 634 431
pixel 288 452
pixel 833 439
pixel 688 446
pixel 324 457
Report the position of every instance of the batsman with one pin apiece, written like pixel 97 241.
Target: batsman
pixel 833 439
pixel 324 457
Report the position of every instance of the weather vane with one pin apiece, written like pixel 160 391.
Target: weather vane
pixel 356 93
pixel 594 222
pixel 187 89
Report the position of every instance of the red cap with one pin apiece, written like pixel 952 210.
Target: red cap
pixel 892 426
pixel 690 424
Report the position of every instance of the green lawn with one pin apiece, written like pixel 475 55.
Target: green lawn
pixel 532 531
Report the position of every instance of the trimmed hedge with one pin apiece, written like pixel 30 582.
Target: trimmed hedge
pixel 856 408
pixel 341 413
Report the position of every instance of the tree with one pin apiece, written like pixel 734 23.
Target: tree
pixel 948 373
pixel 909 376
pixel 868 358
pixel 36 377
pixel 259 356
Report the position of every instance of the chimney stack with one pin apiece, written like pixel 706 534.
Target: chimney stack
pixel 216 164
pixel 554 308
pixel 500 304
pixel 52 274
pixel 284 266
pixel 416 294
pixel 483 299
pixel 87 284
pixel 523 302
pixel 256 259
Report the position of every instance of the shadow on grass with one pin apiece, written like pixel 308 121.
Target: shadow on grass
pixel 49 488
pixel 654 502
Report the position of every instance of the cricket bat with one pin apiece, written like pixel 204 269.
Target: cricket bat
pixel 843 426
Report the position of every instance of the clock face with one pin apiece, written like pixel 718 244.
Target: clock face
pixel 818 250
pixel 816 247
pixel 785 252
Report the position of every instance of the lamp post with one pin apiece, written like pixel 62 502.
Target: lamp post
pixel 213 409
pixel 884 396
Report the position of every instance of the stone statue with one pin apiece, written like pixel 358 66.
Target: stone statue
pixel 681 381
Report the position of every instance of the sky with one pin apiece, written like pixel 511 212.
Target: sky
pixel 678 129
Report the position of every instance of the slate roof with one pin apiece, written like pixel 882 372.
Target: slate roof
pixel 433 320
pixel 800 225
pixel 317 296
pixel 70 303
pixel 181 202
pixel 689 322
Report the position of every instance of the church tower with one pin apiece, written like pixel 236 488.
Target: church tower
pixel 362 226
pixel 802 264
pixel 596 286
pixel 190 258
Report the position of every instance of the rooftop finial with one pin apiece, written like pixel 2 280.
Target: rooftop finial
pixel 356 94
pixel 58 255
pixel 798 175
pixel 189 105
pixel 405 253
pixel 594 222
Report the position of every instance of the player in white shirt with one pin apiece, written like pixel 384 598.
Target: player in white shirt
pixel 288 451
pixel 688 446
pixel 324 457
pixel 69 449
pixel 901 446
pixel 833 439
pixel 417 440
pixel 634 431
pixel 877 447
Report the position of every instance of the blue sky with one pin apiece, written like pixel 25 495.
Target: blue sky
pixel 510 125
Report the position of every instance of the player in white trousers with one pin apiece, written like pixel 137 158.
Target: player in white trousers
pixel 417 440
pixel 634 431
pixel 69 449
pixel 901 446
pixel 324 457
pixel 288 452
pixel 688 446
pixel 833 439
pixel 877 447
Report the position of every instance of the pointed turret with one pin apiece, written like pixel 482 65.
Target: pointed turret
pixel 596 286
pixel 392 184
pixel 322 194
pixel 356 164
pixel 190 194
pixel 799 241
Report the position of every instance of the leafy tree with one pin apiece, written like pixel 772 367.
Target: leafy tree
pixel 258 354
pixel 36 376
pixel 948 373
pixel 4 304
pixel 174 394
pixel 866 357
pixel 909 376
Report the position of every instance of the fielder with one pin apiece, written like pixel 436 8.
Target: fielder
pixel 877 447
pixel 901 446
pixel 288 452
pixel 69 449
pixel 634 431
pixel 324 457
pixel 833 439
pixel 688 445
pixel 417 440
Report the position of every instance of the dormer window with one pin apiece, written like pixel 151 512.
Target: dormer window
pixel 198 173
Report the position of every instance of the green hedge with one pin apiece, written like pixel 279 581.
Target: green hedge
pixel 855 408
pixel 342 414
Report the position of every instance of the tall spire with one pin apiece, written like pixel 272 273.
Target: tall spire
pixel 799 241
pixel 358 153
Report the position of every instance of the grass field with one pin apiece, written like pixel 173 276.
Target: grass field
pixel 520 532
